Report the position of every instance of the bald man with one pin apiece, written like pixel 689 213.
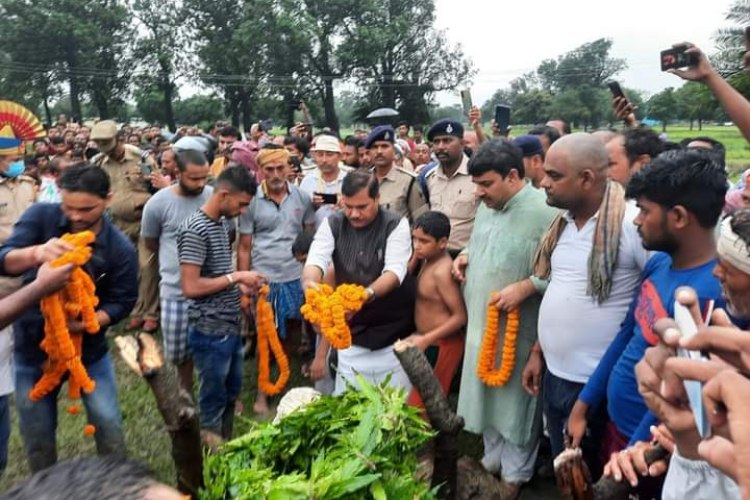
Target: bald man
pixel 590 285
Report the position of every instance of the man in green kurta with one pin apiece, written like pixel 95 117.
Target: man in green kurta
pixel 508 227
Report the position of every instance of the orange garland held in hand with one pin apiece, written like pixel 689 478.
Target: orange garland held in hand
pixel 268 340
pixel 486 371
pixel 77 301
pixel 327 308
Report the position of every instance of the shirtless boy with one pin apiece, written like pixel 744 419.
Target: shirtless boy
pixel 440 313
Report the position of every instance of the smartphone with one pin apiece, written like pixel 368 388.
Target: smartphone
pixel 677 58
pixel 328 199
pixel 466 101
pixel 615 88
pixel 502 118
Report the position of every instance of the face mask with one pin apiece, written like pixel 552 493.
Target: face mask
pixel 15 169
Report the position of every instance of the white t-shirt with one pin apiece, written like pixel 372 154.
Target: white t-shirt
pixel 574 330
pixel 313 182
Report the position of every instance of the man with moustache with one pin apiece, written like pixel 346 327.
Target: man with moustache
pixel 450 186
pixel 162 217
pixel 113 268
pixel 400 191
pixel 367 246
pixel 277 215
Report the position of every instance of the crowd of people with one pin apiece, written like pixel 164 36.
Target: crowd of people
pixel 582 242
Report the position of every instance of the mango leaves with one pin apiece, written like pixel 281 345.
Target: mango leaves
pixel 360 445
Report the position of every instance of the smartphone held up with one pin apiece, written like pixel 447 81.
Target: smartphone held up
pixel 677 57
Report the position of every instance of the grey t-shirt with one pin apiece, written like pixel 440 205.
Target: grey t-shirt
pixel 163 215
pixel 204 242
pixel 274 229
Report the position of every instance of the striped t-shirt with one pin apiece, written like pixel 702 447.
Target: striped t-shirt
pixel 205 242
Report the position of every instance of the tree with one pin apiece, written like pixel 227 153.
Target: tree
pixel 81 42
pixel 589 64
pixel 663 107
pixel 161 50
pixel 233 44
pixel 730 43
pixel 531 107
pixel 696 102
pixel 399 59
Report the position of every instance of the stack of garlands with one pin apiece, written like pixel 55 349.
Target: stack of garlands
pixel 328 308
pixel 487 369
pixel 76 302
pixel 268 341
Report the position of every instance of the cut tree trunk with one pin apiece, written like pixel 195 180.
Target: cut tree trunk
pixel 463 479
pixel 574 480
pixel 143 356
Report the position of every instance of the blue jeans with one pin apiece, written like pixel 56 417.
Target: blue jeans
pixel 38 419
pixel 4 431
pixel 558 397
pixel 218 360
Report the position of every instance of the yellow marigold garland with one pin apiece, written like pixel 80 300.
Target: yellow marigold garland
pixel 327 308
pixel 486 371
pixel 77 301
pixel 268 341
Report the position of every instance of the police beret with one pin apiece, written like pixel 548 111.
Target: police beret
pixel 380 133
pixel 104 130
pixel 446 127
pixel 529 144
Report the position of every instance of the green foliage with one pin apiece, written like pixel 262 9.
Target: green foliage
pixel 361 444
pixel 663 107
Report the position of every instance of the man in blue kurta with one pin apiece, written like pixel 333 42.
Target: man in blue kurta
pixel 507 229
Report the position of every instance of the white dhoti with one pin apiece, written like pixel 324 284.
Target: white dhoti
pixel 373 366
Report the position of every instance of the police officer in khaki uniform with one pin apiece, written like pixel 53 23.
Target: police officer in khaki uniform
pixel 449 186
pixel 399 189
pixel 129 177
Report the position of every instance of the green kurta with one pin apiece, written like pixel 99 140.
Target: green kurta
pixel 501 252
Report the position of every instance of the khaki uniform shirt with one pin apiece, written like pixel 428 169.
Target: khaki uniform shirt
pixel 129 189
pixel 16 195
pixel 454 196
pixel 400 193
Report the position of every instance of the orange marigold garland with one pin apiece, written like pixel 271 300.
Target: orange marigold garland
pixel 77 301
pixel 486 366
pixel 327 308
pixel 268 341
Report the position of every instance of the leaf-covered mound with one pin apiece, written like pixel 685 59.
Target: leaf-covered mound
pixel 360 445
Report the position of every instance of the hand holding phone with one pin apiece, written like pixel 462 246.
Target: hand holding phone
pixel 502 119
pixel 328 199
pixel 615 89
pixel 466 101
pixel 677 57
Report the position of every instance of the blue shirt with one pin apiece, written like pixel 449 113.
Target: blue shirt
pixel 113 267
pixel 615 374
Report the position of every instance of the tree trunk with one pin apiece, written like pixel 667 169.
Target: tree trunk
pixel 289 108
pixel 233 106
pixel 176 406
pixel 329 105
pixel 691 124
pixel 700 124
pixel 247 119
pixel 47 111
pixel 574 480
pixel 168 95
pixel 75 101
pixel 664 126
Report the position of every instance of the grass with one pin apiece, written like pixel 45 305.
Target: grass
pixel 145 436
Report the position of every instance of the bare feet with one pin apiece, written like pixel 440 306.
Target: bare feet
pixel 260 407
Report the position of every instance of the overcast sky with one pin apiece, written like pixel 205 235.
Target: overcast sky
pixel 507 39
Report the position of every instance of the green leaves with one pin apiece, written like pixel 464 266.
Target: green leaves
pixel 359 445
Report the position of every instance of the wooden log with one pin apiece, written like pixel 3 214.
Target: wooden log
pixel 441 416
pixel 143 355
pixel 574 480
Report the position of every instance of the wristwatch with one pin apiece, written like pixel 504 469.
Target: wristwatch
pixel 370 293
